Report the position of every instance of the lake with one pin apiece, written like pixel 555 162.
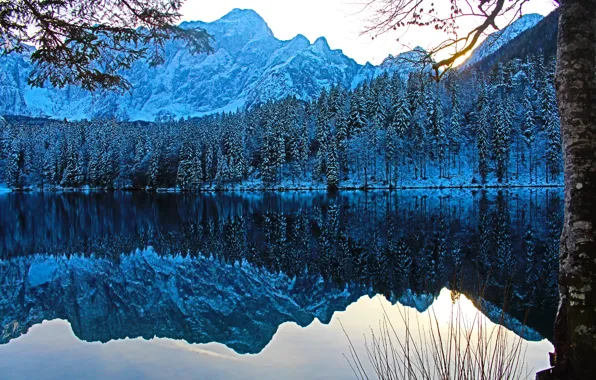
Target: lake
pixel 258 285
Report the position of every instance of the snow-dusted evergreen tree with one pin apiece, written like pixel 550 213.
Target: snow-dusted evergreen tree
pixel 455 131
pixel 270 155
pixel 153 177
pixel 501 138
pixel 403 260
pixel 222 174
pixel 140 163
pixel 395 145
pixel 295 150
pixel 437 133
pixel 332 167
pixel 391 153
pixel 322 137
pixel 375 119
pixel 188 176
pixel 356 120
pixel 233 146
pixel 14 175
pixel 529 127
pixel 552 130
pixel 483 133
pixel 102 170
pixel 73 174
pixel 341 137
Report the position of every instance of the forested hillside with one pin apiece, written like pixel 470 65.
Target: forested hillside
pixel 495 128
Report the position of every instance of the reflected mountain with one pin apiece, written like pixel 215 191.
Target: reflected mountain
pixel 232 268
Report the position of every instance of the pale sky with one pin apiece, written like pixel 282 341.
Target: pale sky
pixel 339 21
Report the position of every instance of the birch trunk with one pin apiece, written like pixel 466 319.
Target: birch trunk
pixel 575 332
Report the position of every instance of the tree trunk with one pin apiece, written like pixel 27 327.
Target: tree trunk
pixel 575 331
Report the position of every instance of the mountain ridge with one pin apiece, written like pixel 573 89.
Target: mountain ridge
pixel 249 66
pixel 502 37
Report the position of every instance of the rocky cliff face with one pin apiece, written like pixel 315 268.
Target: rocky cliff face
pixel 249 66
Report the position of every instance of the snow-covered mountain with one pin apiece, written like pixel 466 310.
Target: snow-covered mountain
pixel 495 41
pixel 402 64
pixel 249 66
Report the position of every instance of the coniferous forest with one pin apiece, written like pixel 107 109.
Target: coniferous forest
pixel 496 128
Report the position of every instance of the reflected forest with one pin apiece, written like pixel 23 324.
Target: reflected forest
pixel 321 251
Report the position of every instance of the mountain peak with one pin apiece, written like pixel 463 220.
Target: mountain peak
pixel 244 22
pixel 301 37
pixel 238 13
pixel 321 43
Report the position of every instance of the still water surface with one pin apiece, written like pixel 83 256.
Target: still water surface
pixel 134 285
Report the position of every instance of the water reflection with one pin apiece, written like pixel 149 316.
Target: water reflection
pixel 232 268
pixel 313 352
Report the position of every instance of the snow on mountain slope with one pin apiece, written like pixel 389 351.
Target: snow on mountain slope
pixel 402 64
pixel 495 41
pixel 249 66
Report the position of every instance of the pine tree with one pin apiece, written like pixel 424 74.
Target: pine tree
pixel 437 132
pixel 294 151
pixel 234 151
pixel 322 124
pixel 72 176
pixel 14 165
pixel 304 146
pixel 482 133
pixel 404 259
pixel 341 136
pixel 268 164
pixel 322 138
pixel 455 132
pixel 396 131
pixel 222 174
pixel 187 177
pixel 421 122
pixel 332 167
pixel 528 125
pixel 153 177
pixel 553 134
pixel 208 159
pixel 356 121
pixel 391 151
pixel 501 139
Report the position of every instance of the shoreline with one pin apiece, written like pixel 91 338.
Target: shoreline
pixel 280 189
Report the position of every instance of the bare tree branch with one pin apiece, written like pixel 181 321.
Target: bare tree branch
pixel 389 15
